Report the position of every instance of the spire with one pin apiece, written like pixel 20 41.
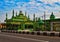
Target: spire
pixel 6 16
pixel 52 12
pixel 13 13
pixel 34 17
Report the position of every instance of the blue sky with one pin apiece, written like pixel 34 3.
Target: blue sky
pixel 30 6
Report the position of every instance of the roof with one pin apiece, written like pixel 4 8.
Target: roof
pixel 57 19
pixel 19 18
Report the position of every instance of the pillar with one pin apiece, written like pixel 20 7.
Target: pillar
pixel 22 26
pixel 51 26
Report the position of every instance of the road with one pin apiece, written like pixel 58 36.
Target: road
pixel 13 37
pixel 10 37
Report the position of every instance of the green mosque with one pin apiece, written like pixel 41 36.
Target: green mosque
pixel 22 22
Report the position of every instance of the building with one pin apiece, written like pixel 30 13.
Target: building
pixel 53 23
pixel 23 22
pixel 2 25
pixel 18 22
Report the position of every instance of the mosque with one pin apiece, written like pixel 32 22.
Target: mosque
pixel 23 22
pixel 20 21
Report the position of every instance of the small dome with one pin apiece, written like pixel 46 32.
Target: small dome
pixel 52 16
pixel 40 21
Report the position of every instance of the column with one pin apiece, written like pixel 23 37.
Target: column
pixel 51 26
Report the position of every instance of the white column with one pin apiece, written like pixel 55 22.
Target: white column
pixel 51 26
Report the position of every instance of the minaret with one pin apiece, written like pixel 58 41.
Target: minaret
pixel 34 17
pixel 6 16
pixel 13 13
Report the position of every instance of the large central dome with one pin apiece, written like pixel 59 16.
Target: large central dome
pixel 20 13
pixel 20 17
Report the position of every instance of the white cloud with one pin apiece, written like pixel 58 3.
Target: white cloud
pixel 9 1
pixel 50 1
pixel 32 2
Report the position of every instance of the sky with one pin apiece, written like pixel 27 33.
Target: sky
pixel 37 7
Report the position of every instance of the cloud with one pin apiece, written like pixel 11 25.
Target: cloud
pixel 57 3
pixel 50 1
pixel 30 6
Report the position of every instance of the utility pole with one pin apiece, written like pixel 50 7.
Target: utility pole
pixel 44 20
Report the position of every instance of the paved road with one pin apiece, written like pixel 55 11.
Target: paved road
pixel 9 37
pixel 13 37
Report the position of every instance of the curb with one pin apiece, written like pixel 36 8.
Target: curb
pixel 34 32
